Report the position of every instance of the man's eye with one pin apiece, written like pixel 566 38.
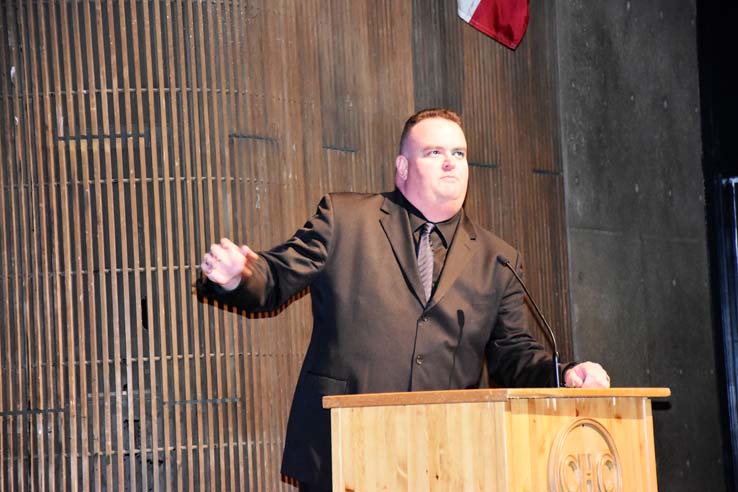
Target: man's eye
pixel 459 153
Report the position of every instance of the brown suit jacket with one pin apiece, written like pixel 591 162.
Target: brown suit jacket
pixel 371 329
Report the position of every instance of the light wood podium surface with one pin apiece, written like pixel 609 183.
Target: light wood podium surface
pixel 516 440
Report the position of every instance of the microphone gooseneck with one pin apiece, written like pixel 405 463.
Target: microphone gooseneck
pixel 505 262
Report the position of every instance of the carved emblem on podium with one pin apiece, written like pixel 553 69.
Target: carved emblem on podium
pixel 583 458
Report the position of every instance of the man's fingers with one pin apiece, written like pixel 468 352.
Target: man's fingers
pixel 248 253
pixel 229 245
pixel 574 381
pixel 597 380
pixel 217 254
pixel 211 268
pixel 226 254
pixel 251 257
pixel 208 263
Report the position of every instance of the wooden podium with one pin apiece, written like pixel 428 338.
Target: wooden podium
pixel 512 440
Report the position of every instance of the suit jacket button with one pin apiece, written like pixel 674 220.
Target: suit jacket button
pixel 419 359
pixel 423 318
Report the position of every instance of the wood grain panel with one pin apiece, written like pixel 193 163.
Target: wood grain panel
pixel 420 447
pixel 438 55
pixel 134 134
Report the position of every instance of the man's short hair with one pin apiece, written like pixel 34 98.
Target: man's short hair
pixel 424 114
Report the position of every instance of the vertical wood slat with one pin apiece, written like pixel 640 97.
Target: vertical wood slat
pixel 220 19
pixel 151 451
pixel 30 243
pixel 15 363
pixel 67 177
pixel 111 239
pixel 180 173
pixel 25 183
pixel 211 106
pixel 87 107
pixel 235 429
pixel 145 449
pixel 169 324
pixel 211 222
pixel 243 213
pixel 162 223
pixel 5 160
pixel 49 257
pixel 138 450
pixel 59 286
pixel 194 194
pixel 198 192
pixel 39 255
pixel 97 68
pixel 20 240
pixel 177 123
pixel 126 354
pixel 7 57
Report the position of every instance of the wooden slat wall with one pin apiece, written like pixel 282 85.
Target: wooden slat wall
pixel 508 100
pixel 514 136
pixel 134 133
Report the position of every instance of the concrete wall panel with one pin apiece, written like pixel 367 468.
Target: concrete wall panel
pixel 629 100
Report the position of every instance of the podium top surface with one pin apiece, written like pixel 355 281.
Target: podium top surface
pixel 485 395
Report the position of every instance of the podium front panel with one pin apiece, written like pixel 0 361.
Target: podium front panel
pixel 497 442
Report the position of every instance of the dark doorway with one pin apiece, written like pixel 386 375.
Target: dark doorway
pixel 719 100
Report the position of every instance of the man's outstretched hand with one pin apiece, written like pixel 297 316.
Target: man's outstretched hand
pixel 227 264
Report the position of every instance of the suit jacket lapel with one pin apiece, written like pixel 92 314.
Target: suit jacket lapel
pixel 396 226
pixel 462 249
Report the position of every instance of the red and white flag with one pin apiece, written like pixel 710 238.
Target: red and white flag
pixel 504 21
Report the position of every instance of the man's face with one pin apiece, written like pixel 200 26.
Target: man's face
pixel 432 171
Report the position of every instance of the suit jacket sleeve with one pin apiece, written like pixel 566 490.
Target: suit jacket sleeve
pixel 284 270
pixel 514 357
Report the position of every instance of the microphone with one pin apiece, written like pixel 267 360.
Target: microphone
pixel 505 262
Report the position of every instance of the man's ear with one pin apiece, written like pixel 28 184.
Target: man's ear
pixel 401 167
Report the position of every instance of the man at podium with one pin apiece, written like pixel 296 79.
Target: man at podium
pixel 407 292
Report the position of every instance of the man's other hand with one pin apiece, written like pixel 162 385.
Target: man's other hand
pixel 587 375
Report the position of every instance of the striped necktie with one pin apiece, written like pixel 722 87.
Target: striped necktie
pixel 425 259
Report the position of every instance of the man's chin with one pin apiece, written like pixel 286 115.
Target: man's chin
pixel 454 201
pixel 452 193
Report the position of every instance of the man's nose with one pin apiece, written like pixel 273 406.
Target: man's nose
pixel 448 162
